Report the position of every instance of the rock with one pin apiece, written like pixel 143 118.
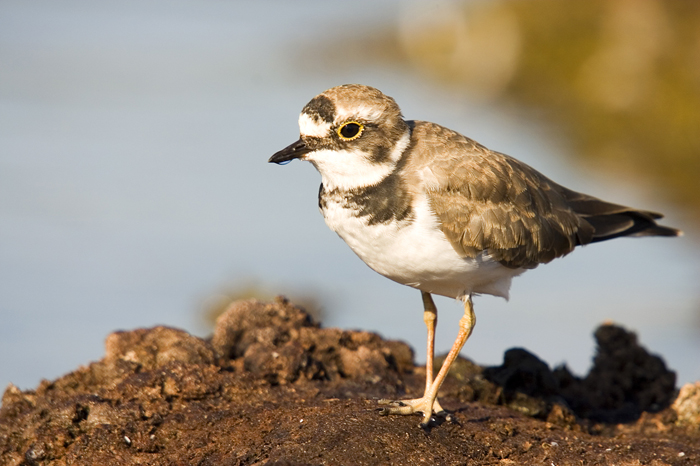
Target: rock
pixel 273 387
pixel 281 343
pixel 687 405
pixel 625 380
pixel 152 348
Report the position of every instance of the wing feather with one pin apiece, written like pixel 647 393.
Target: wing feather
pixel 487 201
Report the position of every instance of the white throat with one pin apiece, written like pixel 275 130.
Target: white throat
pixel 349 169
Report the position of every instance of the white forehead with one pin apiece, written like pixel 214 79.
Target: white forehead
pixel 313 127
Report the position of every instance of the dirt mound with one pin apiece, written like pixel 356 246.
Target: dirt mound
pixel 272 387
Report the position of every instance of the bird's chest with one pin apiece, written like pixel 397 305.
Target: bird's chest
pixel 411 250
pixel 370 220
pixel 374 242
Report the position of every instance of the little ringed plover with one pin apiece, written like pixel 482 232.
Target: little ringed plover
pixel 432 209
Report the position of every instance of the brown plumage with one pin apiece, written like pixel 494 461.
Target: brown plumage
pixel 488 201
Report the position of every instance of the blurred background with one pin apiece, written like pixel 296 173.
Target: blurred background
pixel 134 188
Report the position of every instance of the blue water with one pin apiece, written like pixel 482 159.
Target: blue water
pixel 134 185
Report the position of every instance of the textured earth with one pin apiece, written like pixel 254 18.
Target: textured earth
pixel 271 387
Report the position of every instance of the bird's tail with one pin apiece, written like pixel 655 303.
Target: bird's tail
pixel 613 220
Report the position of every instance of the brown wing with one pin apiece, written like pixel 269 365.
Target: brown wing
pixel 488 201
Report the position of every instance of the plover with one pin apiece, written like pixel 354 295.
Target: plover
pixel 432 209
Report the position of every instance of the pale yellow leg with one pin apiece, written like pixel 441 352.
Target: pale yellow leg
pixel 430 319
pixel 428 404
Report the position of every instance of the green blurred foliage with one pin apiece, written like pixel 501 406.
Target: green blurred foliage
pixel 620 78
pixel 623 78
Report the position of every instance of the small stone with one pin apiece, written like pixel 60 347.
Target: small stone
pixel 687 405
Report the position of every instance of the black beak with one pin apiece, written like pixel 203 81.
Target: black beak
pixel 292 151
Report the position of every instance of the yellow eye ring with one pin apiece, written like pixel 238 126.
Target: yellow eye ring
pixel 350 130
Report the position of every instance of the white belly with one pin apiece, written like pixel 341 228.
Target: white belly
pixel 417 254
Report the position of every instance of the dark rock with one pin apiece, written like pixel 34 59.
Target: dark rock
pixel 625 381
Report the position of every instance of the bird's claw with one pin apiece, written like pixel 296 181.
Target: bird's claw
pixel 424 406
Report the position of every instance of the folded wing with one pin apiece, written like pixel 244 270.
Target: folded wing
pixel 488 201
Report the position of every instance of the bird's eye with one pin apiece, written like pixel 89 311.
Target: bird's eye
pixel 350 130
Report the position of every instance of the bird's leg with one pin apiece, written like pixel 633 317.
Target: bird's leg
pixel 428 404
pixel 466 325
pixel 430 319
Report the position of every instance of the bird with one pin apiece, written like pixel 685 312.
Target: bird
pixel 435 210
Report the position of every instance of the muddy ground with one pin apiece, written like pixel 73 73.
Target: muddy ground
pixel 273 388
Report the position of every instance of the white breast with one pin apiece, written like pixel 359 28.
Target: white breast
pixel 416 253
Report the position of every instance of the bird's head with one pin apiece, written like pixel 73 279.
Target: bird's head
pixel 353 134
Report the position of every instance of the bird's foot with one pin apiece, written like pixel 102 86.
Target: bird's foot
pixel 423 405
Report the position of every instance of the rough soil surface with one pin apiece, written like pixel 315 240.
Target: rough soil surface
pixel 273 388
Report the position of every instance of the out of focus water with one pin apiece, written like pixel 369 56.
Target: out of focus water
pixel 134 185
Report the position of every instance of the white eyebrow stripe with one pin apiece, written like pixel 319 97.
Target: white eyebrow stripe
pixel 361 112
pixel 312 127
